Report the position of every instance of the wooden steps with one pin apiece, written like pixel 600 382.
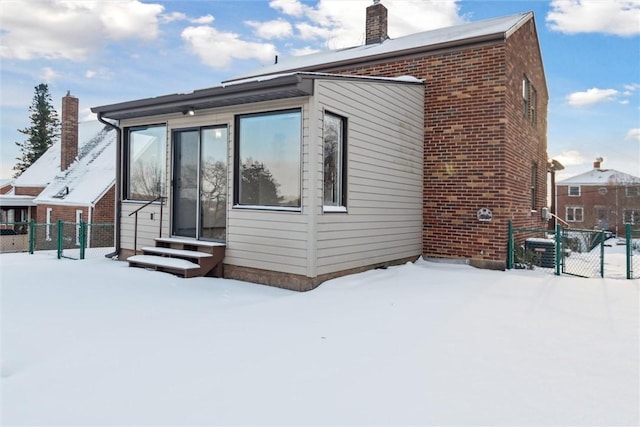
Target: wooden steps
pixel 183 257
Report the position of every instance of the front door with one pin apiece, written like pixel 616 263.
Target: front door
pixel 200 183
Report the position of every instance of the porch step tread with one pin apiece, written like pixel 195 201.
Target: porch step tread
pixel 161 261
pixel 176 252
pixel 190 242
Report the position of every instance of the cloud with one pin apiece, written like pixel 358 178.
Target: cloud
pixel 218 49
pixel 72 30
pixel 206 19
pixel 276 29
pixel 618 17
pixel 592 96
pixel 341 23
pixel 307 50
pixel 166 18
pixel 570 158
pixel 48 74
pixel 633 134
pixel 288 7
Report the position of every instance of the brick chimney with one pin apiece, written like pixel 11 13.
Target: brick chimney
pixel 376 24
pixel 597 163
pixel 69 137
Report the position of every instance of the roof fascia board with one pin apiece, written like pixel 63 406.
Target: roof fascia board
pixel 225 92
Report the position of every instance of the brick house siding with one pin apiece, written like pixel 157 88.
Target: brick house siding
pixel 479 145
pixel 603 206
pixel 102 235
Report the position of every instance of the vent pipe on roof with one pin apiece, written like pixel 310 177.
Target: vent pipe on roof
pixel 69 134
pixel 376 23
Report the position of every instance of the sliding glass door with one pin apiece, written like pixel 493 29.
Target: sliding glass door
pixel 200 183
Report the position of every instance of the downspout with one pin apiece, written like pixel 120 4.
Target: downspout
pixel 118 192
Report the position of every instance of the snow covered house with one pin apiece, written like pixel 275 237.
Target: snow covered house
pixel 72 181
pixel 604 199
pixel 435 168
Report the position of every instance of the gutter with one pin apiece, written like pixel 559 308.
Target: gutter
pixel 118 192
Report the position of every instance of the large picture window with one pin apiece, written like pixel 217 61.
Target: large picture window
pixel 267 159
pixel 334 161
pixel 146 162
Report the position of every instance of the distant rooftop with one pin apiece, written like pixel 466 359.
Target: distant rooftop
pixel 601 177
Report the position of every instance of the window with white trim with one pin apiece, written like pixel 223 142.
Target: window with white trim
pixel 529 100
pixel 334 163
pixel 632 191
pixel 78 228
pixel 574 190
pixel 47 228
pixel 574 213
pixel 632 216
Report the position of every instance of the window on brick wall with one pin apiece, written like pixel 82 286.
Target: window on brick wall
pixel 78 227
pixel 632 191
pixel 529 100
pixel 632 216
pixel 574 214
pixel 47 231
pixel 574 190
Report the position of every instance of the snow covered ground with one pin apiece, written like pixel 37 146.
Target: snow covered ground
pixel 94 342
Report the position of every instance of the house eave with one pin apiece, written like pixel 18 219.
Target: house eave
pixel 282 87
pixel 17 201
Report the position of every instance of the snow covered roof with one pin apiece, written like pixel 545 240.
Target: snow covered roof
pixel 490 29
pixel 91 175
pixel 43 170
pixel 601 177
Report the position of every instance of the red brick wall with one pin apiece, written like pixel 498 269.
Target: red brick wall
pixel 614 201
pixel 28 191
pixel 479 147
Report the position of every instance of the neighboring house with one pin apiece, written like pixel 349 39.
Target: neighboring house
pixel 603 199
pixel 6 185
pixel 436 168
pixel 72 181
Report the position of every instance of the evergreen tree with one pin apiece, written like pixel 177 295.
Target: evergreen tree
pixel 44 129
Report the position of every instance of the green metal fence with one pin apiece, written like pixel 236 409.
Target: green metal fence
pixel 68 239
pixel 567 251
pixel 581 252
pixel 632 242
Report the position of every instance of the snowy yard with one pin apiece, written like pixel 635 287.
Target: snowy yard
pixel 94 342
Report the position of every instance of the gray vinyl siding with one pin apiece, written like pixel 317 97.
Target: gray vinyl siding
pixel 384 175
pixel 273 240
pixel 384 192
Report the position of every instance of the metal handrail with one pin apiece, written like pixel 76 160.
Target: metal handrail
pixel 135 226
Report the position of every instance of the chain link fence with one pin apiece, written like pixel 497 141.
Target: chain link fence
pixel 582 252
pixel 68 239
